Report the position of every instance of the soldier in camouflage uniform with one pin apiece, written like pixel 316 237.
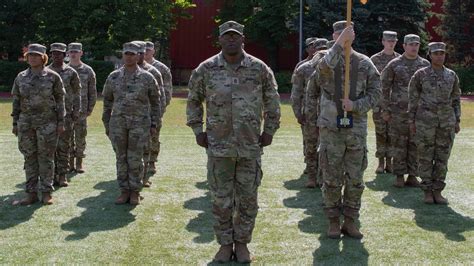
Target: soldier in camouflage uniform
pixel 88 100
pixel 395 78
pixel 131 113
pixel 239 91
pixel 153 147
pixel 434 115
pixel 38 118
pixel 343 151
pixel 168 89
pixel 380 60
pixel 310 50
pixel 72 101
pixel 299 80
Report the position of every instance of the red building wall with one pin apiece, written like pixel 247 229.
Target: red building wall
pixel 433 22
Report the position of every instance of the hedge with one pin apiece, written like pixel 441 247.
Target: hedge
pixel 283 79
pixel 466 79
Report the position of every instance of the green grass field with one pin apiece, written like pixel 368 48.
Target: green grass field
pixel 173 225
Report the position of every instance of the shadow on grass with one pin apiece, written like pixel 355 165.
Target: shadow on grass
pixel 438 218
pixel 203 223
pixel 344 251
pixel 100 214
pixel 10 215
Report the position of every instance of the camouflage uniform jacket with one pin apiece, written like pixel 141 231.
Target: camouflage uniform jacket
pixel 236 102
pixel 72 85
pixel 299 80
pixel 435 93
pixel 380 61
pixel 38 98
pixel 134 96
pixel 312 97
pixel 88 84
pixel 395 78
pixel 159 79
pixel 167 79
pixel 367 88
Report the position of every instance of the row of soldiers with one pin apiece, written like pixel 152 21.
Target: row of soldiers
pixel 416 111
pixel 50 109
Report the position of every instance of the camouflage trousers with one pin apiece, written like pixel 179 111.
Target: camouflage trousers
pixel 234 183
pixel 403 145
pixel 343 160
pixel 434 145
pixel 311 136
pixel 382 138
pixel 38 145
pixel 129 138
pixel 64 147
pixel 78 138
pixel 152 148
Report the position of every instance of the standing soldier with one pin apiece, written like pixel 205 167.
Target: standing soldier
pixel 310 50
pixel 131 113
pixel 38 118
pixel 88 100
pixel 72 101
pixel 380 60
pixel 395 78
pixel 343 150
pixel 239 91
pixel 153 148
pixel 434 116
pixel 299 80
pixel 168 88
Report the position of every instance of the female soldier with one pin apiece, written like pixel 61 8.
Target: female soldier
pixel 435 112
pixel 38 119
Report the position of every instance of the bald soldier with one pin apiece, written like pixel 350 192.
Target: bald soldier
pixel 299 80
pixel 380 60
pixel 395 78
pixel 240 91
pixel 343 146
pixel 434 111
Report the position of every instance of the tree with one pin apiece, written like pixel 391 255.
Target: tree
pixel 266 22
pixel 404 17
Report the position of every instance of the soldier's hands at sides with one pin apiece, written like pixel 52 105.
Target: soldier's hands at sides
pixel 60 130
pixel 347 105
pixel 412 128
pixel 386 117
pixel 153 131
pixel 201 139
pixel 457 128
pixel 265 139
pixel 15 130
pixel 301 120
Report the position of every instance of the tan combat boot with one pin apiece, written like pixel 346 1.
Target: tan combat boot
pixel 334 230
pixel 31 197
pixel 47 199
pixel 71 164
pixel 79 168
pixel 63 181
pixel 388 165
pixel 399 181
pixel 438 198
pixel 412 182
pixel 380 167
pixel 428 197
pixel 311 183
pixel 349 228
pixel 224 254
pixel 135 197
pixel 123 198
pixel 242 253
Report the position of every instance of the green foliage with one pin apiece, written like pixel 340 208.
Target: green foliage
pixel 370 21
pixel 283 79
pixel 8 73
pixel 102 70
pixel 102 26
pixel 466 79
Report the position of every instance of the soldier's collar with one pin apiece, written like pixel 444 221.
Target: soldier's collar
pixel 122 71
pixel 30 72
pixel 245 62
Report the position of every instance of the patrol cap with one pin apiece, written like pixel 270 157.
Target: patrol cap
pixel 130 47
pixel 74 47
pixel 36 48
pixel 340 25
pixel 309 41
pixel 411 38
pixel 437 46
pixel 149 45
pixel 141 46
pixel 320 43
pixel 57 46
pixel 231 26
pixel 390 35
